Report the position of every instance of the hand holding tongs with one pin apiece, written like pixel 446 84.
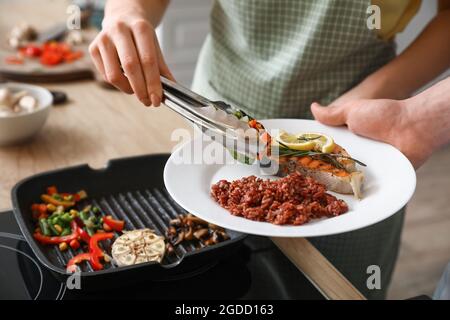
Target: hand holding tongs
pixel 188 103
pixel 197 109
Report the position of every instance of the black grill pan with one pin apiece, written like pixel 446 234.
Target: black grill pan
pixel 131 189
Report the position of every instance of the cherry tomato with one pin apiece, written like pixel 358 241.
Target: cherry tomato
pixel 32 51
pixel 74 244
pixel 51 58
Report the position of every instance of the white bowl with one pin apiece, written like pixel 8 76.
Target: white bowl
pixel 18 128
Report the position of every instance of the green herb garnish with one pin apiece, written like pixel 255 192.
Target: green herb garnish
pixel 332 158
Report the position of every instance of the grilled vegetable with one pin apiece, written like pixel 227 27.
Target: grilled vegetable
pixel 74 244
pixel 72 264
pixel 116 225
pixel 63 246
pixel 57 240
pixel 45 228
pixel 95 251
pixel 138 246
pixel 58 223
pixel 191 228
pixel 51 199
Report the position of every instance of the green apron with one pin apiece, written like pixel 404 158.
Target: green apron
pixel 273 58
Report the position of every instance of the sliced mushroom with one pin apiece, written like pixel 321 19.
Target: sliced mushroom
pixel 169 248
pixel 171 231
pixel 209 242
pixel 189 227
pixel 196 220
pixel 216 238
pixel 199 234
pixel 223 235
pixel 175 222
pixel 179 239
pixel 189 234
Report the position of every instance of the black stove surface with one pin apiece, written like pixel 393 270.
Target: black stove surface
pixel 258 270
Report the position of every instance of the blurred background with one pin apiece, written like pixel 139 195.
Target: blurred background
pixel 425 249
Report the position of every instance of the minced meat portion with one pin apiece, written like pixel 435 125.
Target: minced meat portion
pixel 292 200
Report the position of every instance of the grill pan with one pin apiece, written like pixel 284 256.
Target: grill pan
pixel 131 189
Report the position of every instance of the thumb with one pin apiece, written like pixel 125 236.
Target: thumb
pixel 333 115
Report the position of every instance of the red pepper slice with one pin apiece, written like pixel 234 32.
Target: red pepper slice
pixel 84 235
pixel 72 264
pixel 52 190
pixel 252 123
pixel 57 240
pixel 49 199
pixel 116 225
pixel 94 249
pixel 31 51
pixel 76 197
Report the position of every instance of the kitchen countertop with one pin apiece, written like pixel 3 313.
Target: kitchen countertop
pixel 96 125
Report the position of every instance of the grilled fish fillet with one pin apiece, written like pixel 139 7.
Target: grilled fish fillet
pixel 348 181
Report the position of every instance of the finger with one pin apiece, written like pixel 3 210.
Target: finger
pixel 110 61
pixel 129 59
pixel 144 37
pixel 163 68
pixel 333 116
pixel 97 59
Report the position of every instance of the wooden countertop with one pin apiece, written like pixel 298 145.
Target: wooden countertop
pixel 96 125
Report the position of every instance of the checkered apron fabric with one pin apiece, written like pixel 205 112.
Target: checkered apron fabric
pixel 273 58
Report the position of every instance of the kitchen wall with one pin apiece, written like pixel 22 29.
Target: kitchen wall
pixel 426 13
pixel 186 25
pixel 181 35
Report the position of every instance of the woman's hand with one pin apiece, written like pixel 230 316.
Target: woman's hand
pixel 127 54
pixel 385 120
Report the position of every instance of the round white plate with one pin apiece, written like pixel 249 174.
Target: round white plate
pixel 390 181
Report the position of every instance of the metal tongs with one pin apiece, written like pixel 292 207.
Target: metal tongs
pixel 192 106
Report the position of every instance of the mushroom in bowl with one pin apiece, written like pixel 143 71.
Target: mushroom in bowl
pixel 23 111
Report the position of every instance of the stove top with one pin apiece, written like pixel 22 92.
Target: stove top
pixel 258 270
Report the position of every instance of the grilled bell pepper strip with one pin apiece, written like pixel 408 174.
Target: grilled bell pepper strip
pixel 49 199
pixel 72 264
pixel 52 190
pixel 95 251
pixel 84 236
pixel 57 240
pixel 116 225
pixel 39 211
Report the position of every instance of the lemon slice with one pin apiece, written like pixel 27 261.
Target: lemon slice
pixel 322 143
pixel 293 142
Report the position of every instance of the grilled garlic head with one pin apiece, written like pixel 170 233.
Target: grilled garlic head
pixel 138 246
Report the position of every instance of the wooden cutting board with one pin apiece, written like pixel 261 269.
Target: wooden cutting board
pixel 33 71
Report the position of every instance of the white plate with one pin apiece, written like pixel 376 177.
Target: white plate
pixel 390 183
